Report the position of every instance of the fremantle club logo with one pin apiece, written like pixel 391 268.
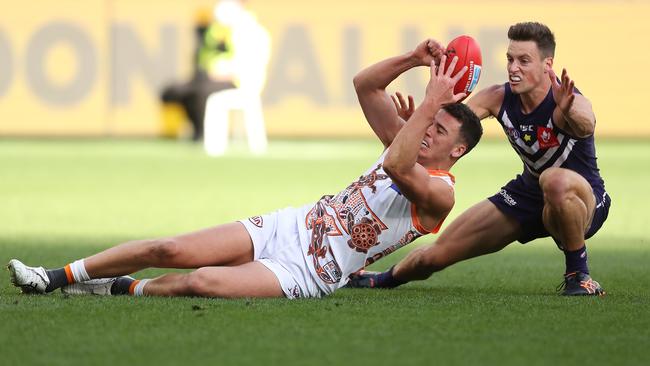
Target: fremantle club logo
pixel 546 138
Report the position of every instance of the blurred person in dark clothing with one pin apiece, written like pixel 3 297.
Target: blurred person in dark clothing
pixel 212 72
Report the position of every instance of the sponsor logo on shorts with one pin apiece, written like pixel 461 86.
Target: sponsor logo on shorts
pixel 294 292
pixel 257 221
pixel 507 198
pixel 602 201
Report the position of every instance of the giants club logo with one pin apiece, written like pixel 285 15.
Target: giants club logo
pixel 257 221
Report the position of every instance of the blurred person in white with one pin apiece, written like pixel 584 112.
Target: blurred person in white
pixel 251 53
pixel 212 73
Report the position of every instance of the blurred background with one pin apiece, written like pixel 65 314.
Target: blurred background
pixel 91 156
pixel 98 67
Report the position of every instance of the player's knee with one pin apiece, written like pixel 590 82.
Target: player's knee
pixel 199 283
pixel 556 185
pixel 205 282
pixel 162 250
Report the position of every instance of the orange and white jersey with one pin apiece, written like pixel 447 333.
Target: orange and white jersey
pixel 368 220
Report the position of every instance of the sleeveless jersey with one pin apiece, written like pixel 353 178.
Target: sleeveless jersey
pixel 541 144
pixel 368 220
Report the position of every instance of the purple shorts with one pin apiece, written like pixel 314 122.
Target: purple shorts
pixel 523 200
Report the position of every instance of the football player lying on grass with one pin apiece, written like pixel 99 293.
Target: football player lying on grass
pixel 308 251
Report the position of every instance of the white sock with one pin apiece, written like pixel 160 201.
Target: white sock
pixel 139 287
pixel 78 270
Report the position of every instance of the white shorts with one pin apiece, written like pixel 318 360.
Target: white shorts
pixel 276 244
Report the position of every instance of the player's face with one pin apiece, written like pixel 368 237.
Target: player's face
pixel 527 68
pixel 441 139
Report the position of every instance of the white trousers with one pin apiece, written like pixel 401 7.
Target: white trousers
pixel 216 121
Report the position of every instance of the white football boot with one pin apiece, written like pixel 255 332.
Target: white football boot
pixel 31 280
pixel 99 286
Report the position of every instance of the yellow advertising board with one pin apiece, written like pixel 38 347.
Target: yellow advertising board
pixel 53 69
pixel 97 67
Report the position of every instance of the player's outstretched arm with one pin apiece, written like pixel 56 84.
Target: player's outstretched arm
pixel 433 197
pixel 411 268
pixel 370 85
pixel 487 102
pixel 573 112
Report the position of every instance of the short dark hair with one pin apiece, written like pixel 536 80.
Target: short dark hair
pixel 470 125
pixel 537 32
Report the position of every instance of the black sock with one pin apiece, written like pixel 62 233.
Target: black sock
pixel 386 279
pixel 576 261
pixel 121 286
pixel 57 279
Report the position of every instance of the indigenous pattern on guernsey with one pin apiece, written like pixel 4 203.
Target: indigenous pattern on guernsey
pixel 356 218
pixel 406 239
pixel 366 221
pixel 541 144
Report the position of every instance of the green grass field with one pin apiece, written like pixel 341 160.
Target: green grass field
pixel 62 200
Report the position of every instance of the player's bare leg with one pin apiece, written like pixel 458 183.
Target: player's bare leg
pixel 247 280
pixel 227 244
pixel 569 206
pixel 480 230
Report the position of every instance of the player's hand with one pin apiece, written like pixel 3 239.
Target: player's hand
pixel 403 110
pixel 429 50
pixel 562 93
pixel 442 82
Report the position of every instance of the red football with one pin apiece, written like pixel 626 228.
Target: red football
pixel 469 54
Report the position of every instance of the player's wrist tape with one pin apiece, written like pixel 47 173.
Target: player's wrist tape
pixel 386 279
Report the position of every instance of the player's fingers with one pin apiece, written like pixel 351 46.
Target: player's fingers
pixel 565 84
pixel 452 66
pixel 458 97
pixel 570 86
pixel 435 47
pixel 402 102
pixel 459 74
pixel 563 78
pixel 434 71
pixel 411 104
pixel 398 95
pixel 395 102
pixel 431 46
pixel 437 54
